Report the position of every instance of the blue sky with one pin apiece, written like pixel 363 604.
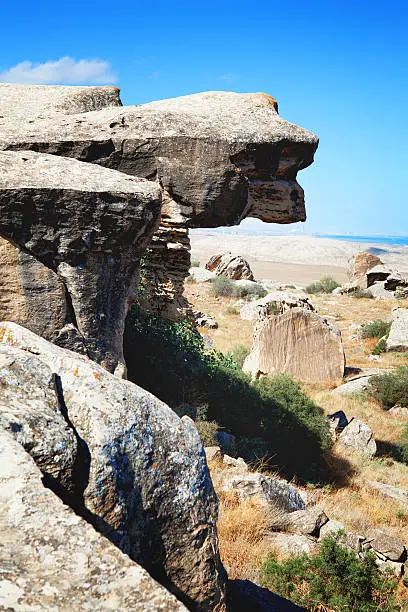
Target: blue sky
pixel 338 68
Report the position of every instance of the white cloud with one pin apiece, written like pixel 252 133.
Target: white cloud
pixel 65 71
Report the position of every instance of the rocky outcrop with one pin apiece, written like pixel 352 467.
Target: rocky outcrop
pixel 53 560
pixel 234 267
pixel 147 485
pixel 274 303
pixel 398 337
pixel 90 225
pixel 299 343
pixel 218 157
pixel 359 265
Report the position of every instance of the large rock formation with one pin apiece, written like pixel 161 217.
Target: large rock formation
pixel 90 225
pixel 231 266
pixel 274 303
pixel 299 343
pixel 53 560
pixel 145 481
pixel 218 156
pixel 359 265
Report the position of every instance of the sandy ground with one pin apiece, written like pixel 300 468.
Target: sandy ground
pixel 293 259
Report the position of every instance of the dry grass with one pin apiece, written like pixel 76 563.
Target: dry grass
pixel 243 526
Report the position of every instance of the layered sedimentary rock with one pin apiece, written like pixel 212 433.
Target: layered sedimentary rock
pixel 218 156
pixel 90 225
pixel 53 560
pixel 299 343
pixel 231 266
pixel 146 483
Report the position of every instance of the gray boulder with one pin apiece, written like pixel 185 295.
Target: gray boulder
pixel 390 491
pixel 274 303
pixel 204 320
pixel 53 560
pixel 299 343
pixel 90 225
pixel 378 291
pixel 398 337
pixel 292 544
pixel 231 266
pixel 201 275
pixel 389 546
pixel 307 522
pixel 148 486
pixel 376 274
pixel 358 437
pixel 331 528
pixel 31 410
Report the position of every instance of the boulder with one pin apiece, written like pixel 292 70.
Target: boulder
pixel 356 385
pixel 358 437
pixel 274 303
pixel 264 488
pixel 231 266
pixel 31 411
pixel 401 411
pixel 390 491
pixel 398 337
pixel 219 157
pixel 90 225
pixel 148 486
pixel 307 522
pixel 299 343
pixel 292 544
pixel 359 265
pixel 378 291
pixel 52 559
pixel 395 567
pixel 238 464
pixel 377 274
pixel 201 275
pixel 389 546
pixel 204 320
pixel 331 528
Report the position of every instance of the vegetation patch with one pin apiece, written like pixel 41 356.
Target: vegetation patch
pixel 390 389
pixel 239 353
pixel 335 579
pixel 375 329
pixel 225 287
pixel 271 418
pixel 325 285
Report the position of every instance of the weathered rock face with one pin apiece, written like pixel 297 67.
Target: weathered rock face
pixel 28 101
pixel 89 225
pixel 359 266
pixel 299 343
pixel 148 486
pixel 30 409
pixel 53 560
pixel 274 303
pixel 231 266
pixel 398 336
pixel 30 293
pixel 219 157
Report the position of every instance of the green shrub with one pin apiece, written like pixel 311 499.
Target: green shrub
pixel 223 286
pixel 375 329
pixel 272 416
pixel 390 389
pixel 325 285
pixel 239 353
pixel 380 347
pixel 403 444
pixel 231 310
pixel 208 432
pixel 195 263
pixel 334 579
pixel 359 293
